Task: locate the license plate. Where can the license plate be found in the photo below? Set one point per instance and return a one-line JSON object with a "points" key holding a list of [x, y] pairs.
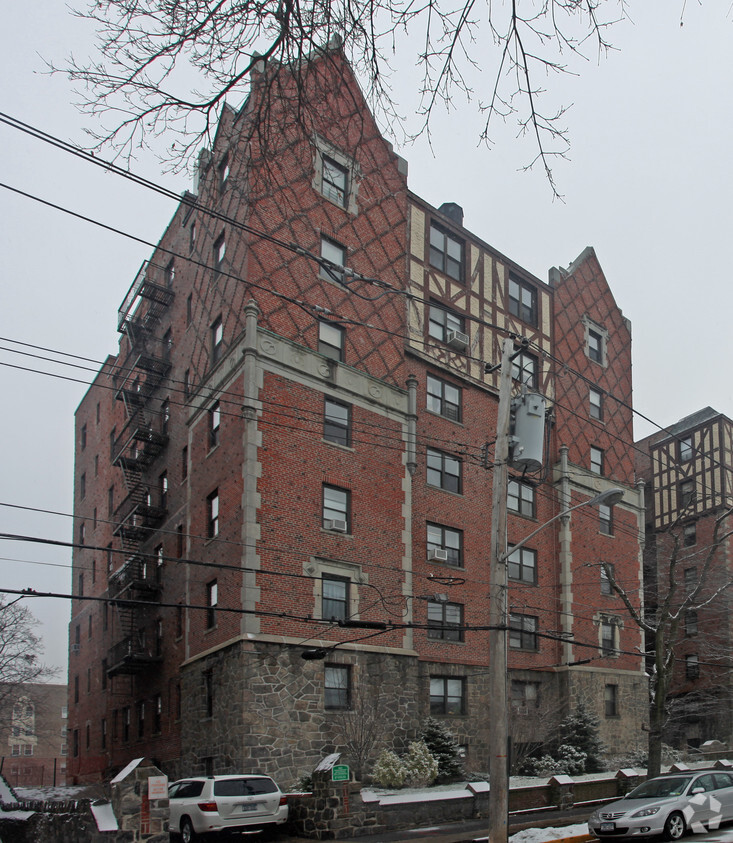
{"points": [[249, 806], [608, 826]]}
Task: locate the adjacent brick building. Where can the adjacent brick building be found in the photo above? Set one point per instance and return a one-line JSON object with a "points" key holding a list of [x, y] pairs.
{"points": [[283, 448], [688, 468]]}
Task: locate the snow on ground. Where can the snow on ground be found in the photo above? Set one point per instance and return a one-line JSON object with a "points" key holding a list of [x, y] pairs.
{"points": [[541, 835]]}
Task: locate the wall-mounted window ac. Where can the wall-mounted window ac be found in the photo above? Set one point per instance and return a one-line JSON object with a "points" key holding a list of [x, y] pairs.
{"points": [[438, 554], [337, 525], [457, 340]]}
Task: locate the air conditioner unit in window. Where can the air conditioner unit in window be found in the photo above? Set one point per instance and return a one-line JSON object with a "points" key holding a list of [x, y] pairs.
{"points": [[338, 525], [457, 340], [438, 554]]}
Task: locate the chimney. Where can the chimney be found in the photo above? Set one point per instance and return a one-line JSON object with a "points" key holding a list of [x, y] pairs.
{"points": [[452, 211]]}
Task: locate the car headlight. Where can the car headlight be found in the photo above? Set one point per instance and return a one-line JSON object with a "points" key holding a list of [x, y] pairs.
{"points": [[647, 812]]}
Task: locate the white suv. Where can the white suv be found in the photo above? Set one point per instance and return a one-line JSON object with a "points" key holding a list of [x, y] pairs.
{"points": [[200, 805]]}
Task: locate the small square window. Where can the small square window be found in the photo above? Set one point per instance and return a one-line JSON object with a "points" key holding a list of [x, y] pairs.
{"points": [[444, 471], [442, 322], [443, 398], [524, 369], [447, 695], [523, 632], [611, 700], [596, 404], [212, 600], [337, 687], [336, 254], [521, 498], [331, 340], [685, 448], [214, 424], [596, 460], [522, 300], [212, 514], [335, 598], [605, 519], [335, 181], [336, 509], [445, 621], [522, 565], [446, 253], [220, 250], [217, 340], [445, 544], [337, 423]]}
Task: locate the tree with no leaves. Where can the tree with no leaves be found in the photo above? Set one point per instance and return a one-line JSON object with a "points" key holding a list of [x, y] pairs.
{"points": [[662, 622], [20, 650], [165, 67]]}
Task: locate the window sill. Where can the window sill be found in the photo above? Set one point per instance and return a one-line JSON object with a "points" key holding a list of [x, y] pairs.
{"points": [[349, 448], [443, 416], [447, 491], [337, 533]]}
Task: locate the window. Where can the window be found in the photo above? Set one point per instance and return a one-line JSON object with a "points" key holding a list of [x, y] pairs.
{"points": [[217, 340], [335, 253], [521, 498], [337, 686], [689, 534], [690, 622], [212, 514], [523, 632], [687, 493], [690, 580], [445, 620], [223, 173], [524, 369], [163, 489], [522, 565], [337, 422], [126, 719], [522, 300], [83, 486], [75, 742], [82, 532], [179, 541], [443, 471], [187, 384], [445, 544], [685, 448], [192, 235], [334, 181], [595, 399], [596, 460], [208, 679], [336, 508], [595, 346], [103, 733], [165, 415], [81, 585], [692, 666], [83, 437], [447, 695], [609, 637], [141, 719], [157, 713], [331, 340], [443, 398], [111, 500], [212, 598], [96, 465], [214, 425], [606, 587], [611, 700], [184, 462], [335, 598], [446, 252], [441, 321], [170, 273], [189, 308], [524, 695], [103, 674], [220, 249], [605, 519]]}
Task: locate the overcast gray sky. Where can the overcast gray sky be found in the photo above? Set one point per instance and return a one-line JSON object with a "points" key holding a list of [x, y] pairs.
{"points": [[648, 184]]}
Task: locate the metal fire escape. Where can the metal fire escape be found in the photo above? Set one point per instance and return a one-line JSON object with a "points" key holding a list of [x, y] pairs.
{"points": [[140, 442]]}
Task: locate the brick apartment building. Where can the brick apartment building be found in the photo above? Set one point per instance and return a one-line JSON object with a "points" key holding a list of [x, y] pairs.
{"points": [[33, 724], [688, 469], [280, 446]]}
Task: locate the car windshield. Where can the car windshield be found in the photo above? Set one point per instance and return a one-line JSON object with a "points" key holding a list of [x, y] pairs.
{"points": [[656, 788], [243, 787]]}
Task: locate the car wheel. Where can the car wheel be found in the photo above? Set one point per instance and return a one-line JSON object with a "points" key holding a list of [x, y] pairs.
{"points": [[187, 833], [674, 827]]}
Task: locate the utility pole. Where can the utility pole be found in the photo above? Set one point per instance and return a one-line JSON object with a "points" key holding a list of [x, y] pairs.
{"points": [[498, 617]]}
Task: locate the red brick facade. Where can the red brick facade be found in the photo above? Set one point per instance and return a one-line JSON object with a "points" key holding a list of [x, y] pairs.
{"points": [[277, 441]]}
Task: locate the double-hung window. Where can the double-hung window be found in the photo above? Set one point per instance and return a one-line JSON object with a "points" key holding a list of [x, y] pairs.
{"points": [[217, 339], [335, 598], [524, 369], [336, 509], [337, 686], [609, 637], [214, 424], [212, 600], [212, 514], [447, 695], [335, 253], [220, 250], [522, 565], [522, 300], [331, 340], [692, 666], [685, 448], [443, 470], [443, 398], [523, 632], [611, 700], [596, 460], [446, 253], [445, 544], [445, 621], [441, 321], [606, 587], [337, 422], [687, 493], [595, 399], [605, 519], [335, 181], [521, 498]]}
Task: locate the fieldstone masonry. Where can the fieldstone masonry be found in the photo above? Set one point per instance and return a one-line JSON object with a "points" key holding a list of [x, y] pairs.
{"points": [[140, 818]]}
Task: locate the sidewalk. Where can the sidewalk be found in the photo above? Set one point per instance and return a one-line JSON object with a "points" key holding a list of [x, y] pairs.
{"points": [[466, 832]]}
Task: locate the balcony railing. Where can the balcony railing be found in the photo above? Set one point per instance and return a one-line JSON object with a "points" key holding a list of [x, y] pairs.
{"points": [[134, 653], [139, 577]]}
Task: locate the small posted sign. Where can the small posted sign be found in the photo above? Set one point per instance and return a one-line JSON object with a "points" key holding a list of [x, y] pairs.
{"points": [[340, 773], [157, 787]]}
